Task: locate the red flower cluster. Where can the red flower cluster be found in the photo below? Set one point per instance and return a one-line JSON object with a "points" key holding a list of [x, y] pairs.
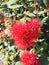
{"points": [[25, 34], [29, 59]]}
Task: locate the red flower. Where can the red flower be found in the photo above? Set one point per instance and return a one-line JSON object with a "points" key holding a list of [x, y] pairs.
{"points": [[29, 59], [26, 34]]}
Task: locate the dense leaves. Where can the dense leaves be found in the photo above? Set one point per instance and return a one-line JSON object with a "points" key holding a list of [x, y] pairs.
{"points": [[15, 11]]}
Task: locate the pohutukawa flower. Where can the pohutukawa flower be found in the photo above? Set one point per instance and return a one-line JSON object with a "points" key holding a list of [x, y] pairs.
{"points": [[30, 59], [25, 34]]}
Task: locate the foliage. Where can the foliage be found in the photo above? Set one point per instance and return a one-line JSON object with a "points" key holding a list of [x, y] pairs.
{"points": [[13, 11]]}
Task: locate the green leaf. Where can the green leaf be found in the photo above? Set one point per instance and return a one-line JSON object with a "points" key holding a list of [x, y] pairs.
{"points": [[44, 19], [14, 6], [30, 14], [1, 46], [45, 2], [19, 63], [11, 48], [44, 60], [1, 56], [6, 57], [11, 2], [27, 18], [41, 12]]}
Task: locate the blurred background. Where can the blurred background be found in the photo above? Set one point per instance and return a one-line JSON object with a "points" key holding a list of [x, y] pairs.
{"points": [[13, 11]]}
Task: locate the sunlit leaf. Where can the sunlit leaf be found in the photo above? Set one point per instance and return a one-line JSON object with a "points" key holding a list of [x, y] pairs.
{"points": [[19, 63], [14, 6]]}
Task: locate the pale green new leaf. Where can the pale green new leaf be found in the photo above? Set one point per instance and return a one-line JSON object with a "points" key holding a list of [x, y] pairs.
{"points": [[19, 63], [41, 12], [14, 6], [44, 19], [45, 2], [11, 2]]}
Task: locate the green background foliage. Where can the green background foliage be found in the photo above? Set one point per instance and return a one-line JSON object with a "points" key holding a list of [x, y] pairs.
{"points": [[25, 9]]}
